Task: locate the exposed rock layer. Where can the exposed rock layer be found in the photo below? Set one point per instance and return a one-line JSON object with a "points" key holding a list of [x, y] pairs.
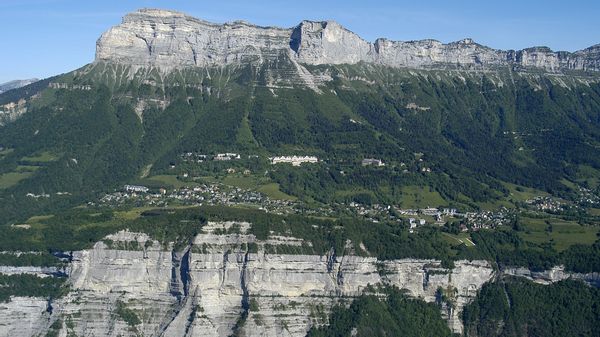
{"points": [[168, 39], [205, 290], [23, 317], [210, 286], [555, 274]]}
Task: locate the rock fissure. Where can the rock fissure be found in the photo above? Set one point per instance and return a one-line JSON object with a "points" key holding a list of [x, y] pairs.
{"points": [[175, 284], [179, 288], [224, 268], [184, 270], [331, 259], [245, 302]]}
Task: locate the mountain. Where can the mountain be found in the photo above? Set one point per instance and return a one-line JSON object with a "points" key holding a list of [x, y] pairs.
{"points": [[16, 84], [170, 39], [207, 179], [465, 121], [164, 84]]}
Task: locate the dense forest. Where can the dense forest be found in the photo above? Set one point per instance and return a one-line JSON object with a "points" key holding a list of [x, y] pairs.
{"points": [[31, 285], [516, 307], [392, 313]]}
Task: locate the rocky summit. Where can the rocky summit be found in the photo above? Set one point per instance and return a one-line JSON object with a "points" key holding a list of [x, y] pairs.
{"points": [[169, 39]]}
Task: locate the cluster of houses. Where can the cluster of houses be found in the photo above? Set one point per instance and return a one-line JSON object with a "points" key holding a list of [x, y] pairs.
{"points": [[218, 194], [211, 194], [546, 204], [294, 160], [192, 157], [45, 195], [245, 172], [413, 223], [431, 211], [37, 196], [487, 219], [226, 156], [588, 197], [415, 217]]}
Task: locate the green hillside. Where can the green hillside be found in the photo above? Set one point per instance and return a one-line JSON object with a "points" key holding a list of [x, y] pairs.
{"points": [[459, 139], [461, 135]]}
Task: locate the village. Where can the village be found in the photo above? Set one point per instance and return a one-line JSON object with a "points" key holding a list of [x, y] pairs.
{"points": [[192, 157], [203, 194], [220, 193]]}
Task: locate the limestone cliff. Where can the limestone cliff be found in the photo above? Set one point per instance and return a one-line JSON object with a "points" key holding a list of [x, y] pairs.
{"points": [[221, 283], [555, 274], [225, 281], [168, 39], [24, 317]]}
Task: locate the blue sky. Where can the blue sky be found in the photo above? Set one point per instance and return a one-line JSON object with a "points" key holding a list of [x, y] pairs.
{"points": [[41, 38]]}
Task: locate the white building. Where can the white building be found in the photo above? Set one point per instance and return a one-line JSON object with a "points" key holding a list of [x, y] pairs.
{"points": [[449, 211], [227, 156], [372, 161], [430, 211], [136, 188], [294, 160]]}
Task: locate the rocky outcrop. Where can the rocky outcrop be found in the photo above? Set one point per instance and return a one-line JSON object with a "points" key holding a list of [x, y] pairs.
{"points": [[23, 317], [555, 274], [168, 39], [37, 271], [11, 111], [225, 282], [171, 39], [328, 43]]}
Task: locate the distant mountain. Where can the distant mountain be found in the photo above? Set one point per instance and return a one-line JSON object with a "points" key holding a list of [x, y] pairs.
{"points": [[16, 84]]}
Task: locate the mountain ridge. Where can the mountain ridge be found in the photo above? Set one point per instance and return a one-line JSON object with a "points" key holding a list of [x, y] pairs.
{"points": [[15, 84], [170, 39]]}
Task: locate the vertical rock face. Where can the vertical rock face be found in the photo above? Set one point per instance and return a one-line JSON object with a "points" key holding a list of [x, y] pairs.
{"points": [[328, 43], [170, 39], [130, 269], [431, 53], [167, 39], [224, 283]]}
